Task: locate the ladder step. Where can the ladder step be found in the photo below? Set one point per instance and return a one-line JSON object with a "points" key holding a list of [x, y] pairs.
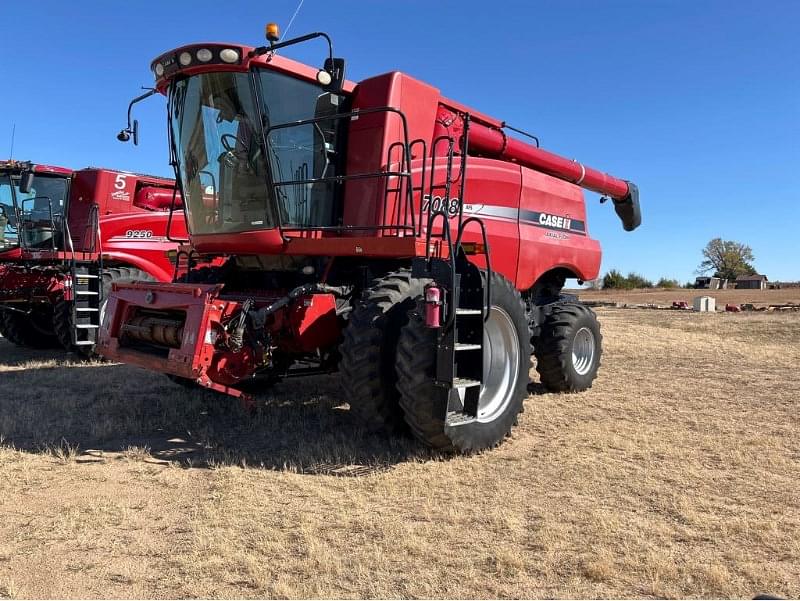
{"points": [[86, 293], [465, 383], [468, 312], [84, 343], [86, 275], [460, 346], [86, 326], [86, 310]]}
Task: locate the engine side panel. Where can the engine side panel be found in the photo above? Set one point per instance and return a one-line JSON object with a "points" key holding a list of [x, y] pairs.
{"points": [[140, 240], [553, 230]]}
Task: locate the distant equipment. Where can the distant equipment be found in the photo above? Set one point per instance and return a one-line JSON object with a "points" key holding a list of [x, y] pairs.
{"points": [[705, 304]]}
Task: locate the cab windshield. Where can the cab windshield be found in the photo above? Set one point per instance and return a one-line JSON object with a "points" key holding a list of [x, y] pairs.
{"points": [[231, 180], [35, 215]]}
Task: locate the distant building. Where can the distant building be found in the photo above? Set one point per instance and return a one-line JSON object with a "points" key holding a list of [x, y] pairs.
{"points": [[710, 283], [751, 282]]}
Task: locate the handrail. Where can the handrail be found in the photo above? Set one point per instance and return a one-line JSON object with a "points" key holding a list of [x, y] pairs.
{"points": [[172, 210], [458, 247], [404, 170]]}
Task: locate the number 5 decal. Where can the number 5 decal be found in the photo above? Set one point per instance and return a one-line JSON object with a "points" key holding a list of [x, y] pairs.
{"points": [[120, 182]]}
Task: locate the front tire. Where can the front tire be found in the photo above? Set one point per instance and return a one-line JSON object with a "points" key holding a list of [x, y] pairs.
{"points": [[30, 331], [369, 349], [504, 380], [569, 347]]}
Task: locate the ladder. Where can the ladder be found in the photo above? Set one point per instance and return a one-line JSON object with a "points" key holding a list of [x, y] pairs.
{"points": [[466, 301], [460, 340], [87, 291]]}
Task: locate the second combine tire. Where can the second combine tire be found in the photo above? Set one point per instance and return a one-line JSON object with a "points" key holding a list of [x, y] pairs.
{"points": [[568, 348], [31, 331], [62, 317], [504, 381], [369, 349]]}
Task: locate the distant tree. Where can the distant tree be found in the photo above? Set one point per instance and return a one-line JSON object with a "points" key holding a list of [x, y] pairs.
{"points": [[727, 259], [636, 280], [614, 279], [689, 285], [667, 283]]}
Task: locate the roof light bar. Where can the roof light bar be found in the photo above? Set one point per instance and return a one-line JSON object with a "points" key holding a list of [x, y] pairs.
{"points": [[167, 64]]}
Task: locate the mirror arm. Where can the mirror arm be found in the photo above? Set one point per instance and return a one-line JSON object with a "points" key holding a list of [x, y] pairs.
{"points": [[303, 38], [126, 133]]}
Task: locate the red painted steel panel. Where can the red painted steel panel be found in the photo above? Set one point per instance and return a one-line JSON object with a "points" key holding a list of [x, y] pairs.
{"points": [[546, 247]]}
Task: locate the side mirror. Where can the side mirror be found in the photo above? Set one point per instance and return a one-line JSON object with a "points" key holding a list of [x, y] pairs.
{"points": [[26, 182], [125, 134], [335, 67]]}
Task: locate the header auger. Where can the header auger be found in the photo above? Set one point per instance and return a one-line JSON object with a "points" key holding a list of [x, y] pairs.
{"points": [[377, 229]]}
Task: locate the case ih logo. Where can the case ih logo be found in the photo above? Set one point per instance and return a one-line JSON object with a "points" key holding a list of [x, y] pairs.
{"points": [[556, 221], [121, 195]]}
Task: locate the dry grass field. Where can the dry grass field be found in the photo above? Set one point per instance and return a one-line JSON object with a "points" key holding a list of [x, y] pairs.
{"points": [[677, 475]]}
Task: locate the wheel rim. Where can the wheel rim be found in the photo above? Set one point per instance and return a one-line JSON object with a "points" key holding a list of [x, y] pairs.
{"points": [[501, 359], [583, 351]]}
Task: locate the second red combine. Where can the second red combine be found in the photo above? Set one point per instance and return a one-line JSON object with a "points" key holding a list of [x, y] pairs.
{"points": [[376, 228], [64, 237]]}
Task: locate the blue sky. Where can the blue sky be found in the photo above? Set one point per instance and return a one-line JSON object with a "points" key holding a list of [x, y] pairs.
{"points": [[698, 102]]}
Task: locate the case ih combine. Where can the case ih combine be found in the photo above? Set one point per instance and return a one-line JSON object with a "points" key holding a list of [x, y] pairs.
{"points": [[378, 228], [64, 237]]}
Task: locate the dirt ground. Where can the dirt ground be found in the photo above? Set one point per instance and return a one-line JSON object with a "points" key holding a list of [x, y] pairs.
{"points": [[666, 296], [675, 476]]}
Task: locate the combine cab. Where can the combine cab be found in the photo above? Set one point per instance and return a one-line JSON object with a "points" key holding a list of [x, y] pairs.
{"points": [[378, 229], [64, 237]]}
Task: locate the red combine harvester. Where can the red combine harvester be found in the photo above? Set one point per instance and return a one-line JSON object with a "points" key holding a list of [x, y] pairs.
{"points": [[376, 228], [64, 237]]}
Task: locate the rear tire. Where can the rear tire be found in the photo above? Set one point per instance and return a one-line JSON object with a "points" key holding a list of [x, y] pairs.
{"points": [[62, 313], [369, 349], [569, 347], [425, 403], [29, 331]]}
